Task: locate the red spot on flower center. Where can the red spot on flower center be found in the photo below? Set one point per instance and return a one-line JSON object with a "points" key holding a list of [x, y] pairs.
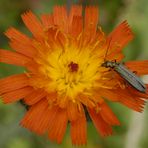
{"points": [[73, 67]]}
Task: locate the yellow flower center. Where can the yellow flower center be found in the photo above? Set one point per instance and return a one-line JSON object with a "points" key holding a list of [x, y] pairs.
{"points": [[70, 71]]}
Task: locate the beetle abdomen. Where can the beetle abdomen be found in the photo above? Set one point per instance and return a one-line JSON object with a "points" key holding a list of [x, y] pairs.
{"points": [[130, 77]]}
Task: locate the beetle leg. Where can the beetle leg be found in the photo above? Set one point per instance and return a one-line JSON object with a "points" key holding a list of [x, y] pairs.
{"points": [[114, 60], [135, 72]]}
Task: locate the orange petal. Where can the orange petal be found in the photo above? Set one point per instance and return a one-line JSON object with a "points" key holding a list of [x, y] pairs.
{"points": [[47, 20], [32, 67], [16, 94], [62, 103], [37, 118], [107, 115], [33, 24], [91, 20], [75, 11], [72, 111], [55, 37], [60, 17], [14, 58], [141, 67], [51, 97], [34, 97], [133, 104], [106, 93], [78, 130], [119, 38], [13, 82], [58, 126], [76, 27], [20, 42], [86, 100], [139, 94], [75, 20], [128, 99], [102, 127]]}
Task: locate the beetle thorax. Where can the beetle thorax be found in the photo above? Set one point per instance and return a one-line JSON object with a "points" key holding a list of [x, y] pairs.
{"points": [[108, 64], [111, 64]]}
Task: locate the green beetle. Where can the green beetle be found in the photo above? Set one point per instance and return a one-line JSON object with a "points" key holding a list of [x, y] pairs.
{"points": [[127, 74]]}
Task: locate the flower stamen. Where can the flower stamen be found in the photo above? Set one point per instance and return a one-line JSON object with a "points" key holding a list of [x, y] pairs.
{"points": [[73, 67]]}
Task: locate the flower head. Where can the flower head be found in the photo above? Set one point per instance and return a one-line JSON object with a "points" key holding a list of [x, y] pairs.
{"points": [[64, 73]]}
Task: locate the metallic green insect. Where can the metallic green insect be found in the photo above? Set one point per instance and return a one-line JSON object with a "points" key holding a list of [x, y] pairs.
{"points": [[125, 73]]}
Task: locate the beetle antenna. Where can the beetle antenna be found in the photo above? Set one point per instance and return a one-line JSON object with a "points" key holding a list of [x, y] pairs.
{"points": [[107, 49]]}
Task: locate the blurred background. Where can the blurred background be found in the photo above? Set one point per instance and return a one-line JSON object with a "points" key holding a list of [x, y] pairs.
{"points": [[133, 133]]}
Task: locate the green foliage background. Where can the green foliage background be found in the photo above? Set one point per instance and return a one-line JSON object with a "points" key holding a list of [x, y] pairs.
{"points": [[111, 13]]}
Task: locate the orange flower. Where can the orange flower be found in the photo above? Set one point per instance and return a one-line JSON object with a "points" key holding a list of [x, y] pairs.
{"points": [[64, 74]]}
